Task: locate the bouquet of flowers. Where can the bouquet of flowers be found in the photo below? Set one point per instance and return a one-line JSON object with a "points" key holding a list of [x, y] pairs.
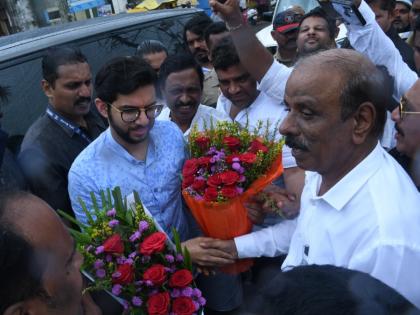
{"points": [[228, 165], [127, 254]]}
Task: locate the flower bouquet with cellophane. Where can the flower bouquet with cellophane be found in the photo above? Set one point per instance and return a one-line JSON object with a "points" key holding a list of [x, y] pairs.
{"points": [[127, 254], [228, 165]]}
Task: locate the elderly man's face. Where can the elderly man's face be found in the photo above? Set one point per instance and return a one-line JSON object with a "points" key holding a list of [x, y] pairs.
{"points": [[408, 126], [319, 138], [61, 280]]}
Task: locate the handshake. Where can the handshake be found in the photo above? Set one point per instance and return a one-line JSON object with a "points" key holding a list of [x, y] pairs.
{"points": [[208, 253]]}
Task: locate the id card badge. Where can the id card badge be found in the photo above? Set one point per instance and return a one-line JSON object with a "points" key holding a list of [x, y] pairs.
{"points": [[344, 10]]}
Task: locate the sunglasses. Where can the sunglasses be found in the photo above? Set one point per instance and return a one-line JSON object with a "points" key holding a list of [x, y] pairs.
{"points": [[403, 112]]}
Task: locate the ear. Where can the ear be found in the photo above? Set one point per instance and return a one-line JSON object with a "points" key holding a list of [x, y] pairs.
{"points": [[20, 308], [47, 88], [364, 120], [102, 107]]}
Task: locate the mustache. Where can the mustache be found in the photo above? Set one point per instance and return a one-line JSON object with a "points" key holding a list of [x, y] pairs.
{"points": [[179, 104], [399, 130], [83, 100], [293, 143]]}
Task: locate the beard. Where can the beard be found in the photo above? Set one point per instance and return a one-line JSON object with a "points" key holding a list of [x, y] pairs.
{"points": [[125, 134]]}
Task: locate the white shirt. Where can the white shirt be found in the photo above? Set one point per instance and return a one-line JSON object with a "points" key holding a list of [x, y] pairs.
{"points": [[203, 117], [369, 221], [371, 41], [264, 109]]}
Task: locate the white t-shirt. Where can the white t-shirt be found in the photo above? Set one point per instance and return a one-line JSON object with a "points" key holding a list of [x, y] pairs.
{"points": [[369, 221], [203, 117], [262, 109]]}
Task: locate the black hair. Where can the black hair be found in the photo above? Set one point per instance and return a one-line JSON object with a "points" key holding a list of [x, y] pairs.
{"points": [[386, 5], [4, 93], [417, 23], [123, 75], [197, 25], [213, 29], [179, 63], [58, 56], [150, 47], [326, 289], [224, 54], [319, 12], [20, 271]]}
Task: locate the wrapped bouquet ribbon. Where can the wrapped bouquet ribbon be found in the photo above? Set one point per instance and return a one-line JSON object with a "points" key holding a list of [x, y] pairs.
{"points": [[228, 166]]}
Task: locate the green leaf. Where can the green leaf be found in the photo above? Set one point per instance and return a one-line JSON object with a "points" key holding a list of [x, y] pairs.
{"points": [[177, 240], [187, 259], [71, 219], [86, 211]]}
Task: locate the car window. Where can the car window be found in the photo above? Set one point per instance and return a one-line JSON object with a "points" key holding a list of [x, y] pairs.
{"points": [[306, 5]]}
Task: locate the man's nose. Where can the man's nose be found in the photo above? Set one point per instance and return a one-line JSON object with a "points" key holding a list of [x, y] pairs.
{"points": [[395, 115], [85, 90], [142, 119], [288, 125], [234, 88]]}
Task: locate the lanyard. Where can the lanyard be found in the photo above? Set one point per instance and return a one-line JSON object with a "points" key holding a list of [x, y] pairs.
{"points": [[67, 124]]}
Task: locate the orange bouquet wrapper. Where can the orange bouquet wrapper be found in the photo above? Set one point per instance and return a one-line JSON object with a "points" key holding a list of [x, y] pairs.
{"points": [[230, 219]]}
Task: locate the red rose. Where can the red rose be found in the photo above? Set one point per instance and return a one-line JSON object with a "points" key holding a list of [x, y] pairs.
{"points": [[158, 304], [183, 306], [229, 192], [180, 278], [257, 145], [114, 245], [190, 167], [248, 157], [156, 274], [126, 274], [199, 185], [229, 158], [214, 180], [204, 161], [187, 181], [210, 194], [232, 143], [154, 243], [202, 142], [229, 177]]}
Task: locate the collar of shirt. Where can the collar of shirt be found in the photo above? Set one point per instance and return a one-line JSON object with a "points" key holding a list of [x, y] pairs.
{"points": [[343, 191], [119, 149]]}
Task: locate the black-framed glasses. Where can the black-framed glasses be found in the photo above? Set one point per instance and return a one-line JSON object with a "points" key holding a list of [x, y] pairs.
{"points": [[403, 104], [130, 115]]}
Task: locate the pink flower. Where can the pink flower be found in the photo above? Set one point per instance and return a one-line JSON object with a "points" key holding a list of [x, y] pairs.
{"points": [[113, 223], [116, 289], [111, 213]]}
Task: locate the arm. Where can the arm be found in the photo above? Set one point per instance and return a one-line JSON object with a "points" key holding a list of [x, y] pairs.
{"points": [[371, 41], [254, 57]]}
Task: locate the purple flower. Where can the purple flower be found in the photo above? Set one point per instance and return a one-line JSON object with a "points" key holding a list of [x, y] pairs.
{"points": [[136, 301], [202, 301], [197, 292], [126, 305], [175, 293], [89, 248], [197, 305], [100, 273], [116, 289], [129, 261], [132, 255], [120, 260], [143, 225], [169, 258], [235, 159], [140, 282], [116, 274], [145, 259], [108, 258], [241, 170], [99, 249], [188, 291], [179, 257], [149, 283], [111, 213], [242, 178], [98, 264], [135, 236], [113, 223], [236, 166], [240, 190]]}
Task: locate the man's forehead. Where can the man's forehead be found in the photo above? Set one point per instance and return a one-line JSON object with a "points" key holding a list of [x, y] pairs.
{"points": [[192, 36], [80, 69], [413, 95], [314, 20], [188, 75]]}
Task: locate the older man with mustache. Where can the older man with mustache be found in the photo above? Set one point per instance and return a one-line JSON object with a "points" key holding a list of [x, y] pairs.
{"points": [[359, 209], [54, 140]]}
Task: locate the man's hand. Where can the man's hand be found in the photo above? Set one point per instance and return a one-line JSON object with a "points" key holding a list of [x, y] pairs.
{"points": [[286, 202], [228, 11], [224, 246], [256, 213], [204, 254]]}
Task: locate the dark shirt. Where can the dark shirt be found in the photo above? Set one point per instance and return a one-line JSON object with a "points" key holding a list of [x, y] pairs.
{"points": [[407, 53], [404, 161], [11, 177], [47, 152]]}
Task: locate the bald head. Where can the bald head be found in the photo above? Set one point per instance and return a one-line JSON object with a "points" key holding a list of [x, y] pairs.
{"points": [[357, 79]]}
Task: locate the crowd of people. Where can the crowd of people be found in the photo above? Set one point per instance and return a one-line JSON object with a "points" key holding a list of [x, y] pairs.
{"points": [[350, 117]]}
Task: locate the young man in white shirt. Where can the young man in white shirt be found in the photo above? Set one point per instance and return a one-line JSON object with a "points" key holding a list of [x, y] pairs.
{"points": [[359, 209], [181, 83]]}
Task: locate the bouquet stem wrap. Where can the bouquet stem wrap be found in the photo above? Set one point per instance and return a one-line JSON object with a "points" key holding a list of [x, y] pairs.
{"points": [[230, 219]]}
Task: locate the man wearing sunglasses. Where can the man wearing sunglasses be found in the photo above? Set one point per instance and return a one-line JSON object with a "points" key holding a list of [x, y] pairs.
{"points": [[407, 125], [136, 152]]}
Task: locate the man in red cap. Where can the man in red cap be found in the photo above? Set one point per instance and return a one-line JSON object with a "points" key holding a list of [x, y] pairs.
{"points": [[285, 31]]}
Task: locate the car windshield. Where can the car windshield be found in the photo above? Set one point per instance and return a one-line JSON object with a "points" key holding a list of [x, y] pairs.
{"points": [[306, 5]]}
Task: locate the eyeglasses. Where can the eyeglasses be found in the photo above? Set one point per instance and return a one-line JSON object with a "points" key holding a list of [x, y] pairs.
{"points": [[403, 104], [130, 115]]}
